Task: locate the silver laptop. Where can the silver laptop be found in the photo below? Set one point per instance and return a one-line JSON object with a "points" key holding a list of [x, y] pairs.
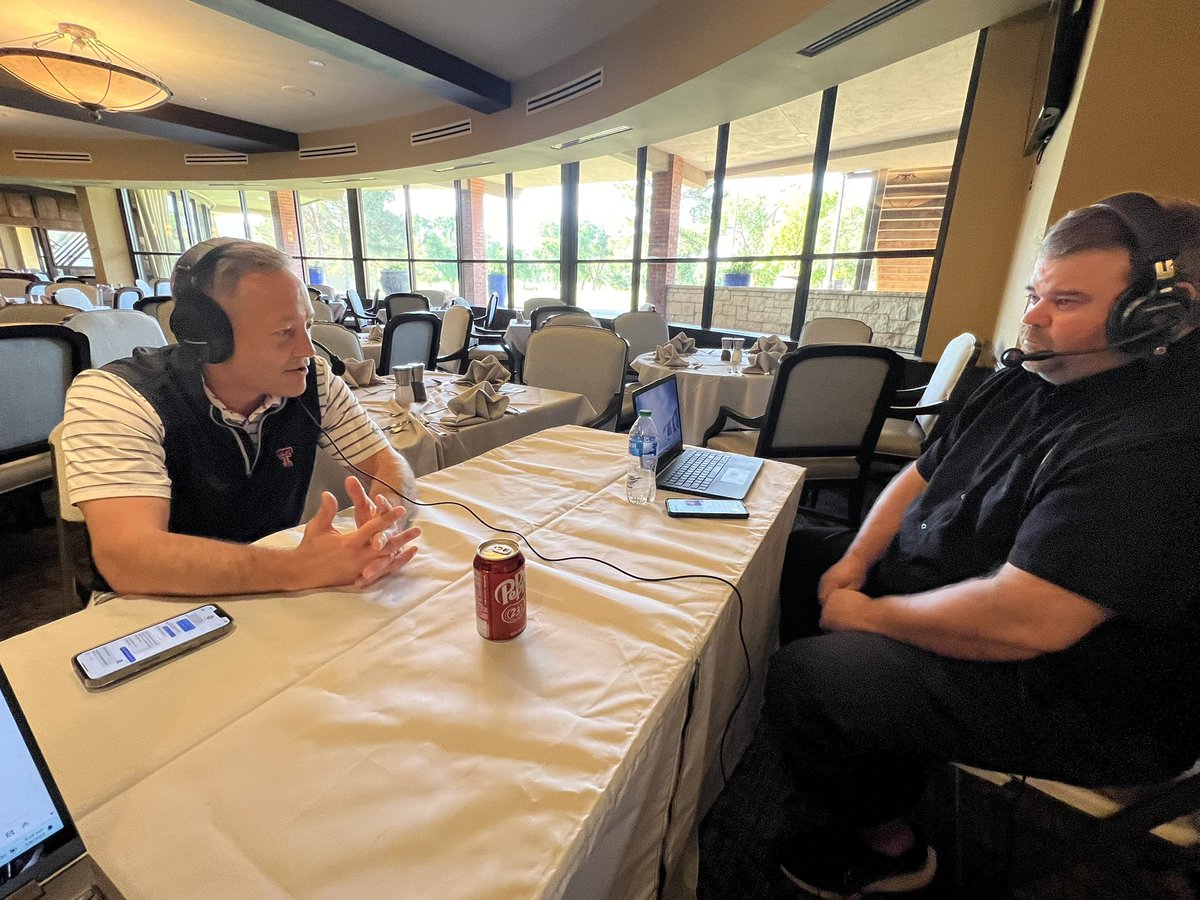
{"points": [[708, 473], [41, 853]]}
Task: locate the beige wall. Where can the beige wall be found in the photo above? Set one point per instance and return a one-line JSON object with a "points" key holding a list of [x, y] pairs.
{"points": [[106, 235], [1132, 126], [992, 187]]}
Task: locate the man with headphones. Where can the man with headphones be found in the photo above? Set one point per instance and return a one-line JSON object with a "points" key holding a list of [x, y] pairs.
{"points": [[180, 457], [1024, 597]]}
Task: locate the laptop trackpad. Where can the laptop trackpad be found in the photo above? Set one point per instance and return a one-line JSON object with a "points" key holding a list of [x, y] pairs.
{"points": [[734, 475]]}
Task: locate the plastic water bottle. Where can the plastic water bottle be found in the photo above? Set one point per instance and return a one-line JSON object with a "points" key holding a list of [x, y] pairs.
{"points": [[643, 460]]}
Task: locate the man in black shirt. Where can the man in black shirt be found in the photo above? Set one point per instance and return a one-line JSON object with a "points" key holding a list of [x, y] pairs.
{"points": [[1025, 596]]}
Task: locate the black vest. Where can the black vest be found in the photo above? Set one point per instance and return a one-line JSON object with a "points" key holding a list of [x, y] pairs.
{"points": [[221, 486]]}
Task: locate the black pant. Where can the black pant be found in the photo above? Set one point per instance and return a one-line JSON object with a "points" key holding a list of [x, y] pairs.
{"points": [[863, 719]]}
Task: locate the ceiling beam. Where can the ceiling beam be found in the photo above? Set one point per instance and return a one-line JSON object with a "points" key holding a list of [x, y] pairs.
{"points": [[346, 33], [169, 121]]}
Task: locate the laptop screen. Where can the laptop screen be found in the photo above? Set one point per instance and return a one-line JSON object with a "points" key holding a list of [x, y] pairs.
{"points": [[37, 837], [662, 399]]}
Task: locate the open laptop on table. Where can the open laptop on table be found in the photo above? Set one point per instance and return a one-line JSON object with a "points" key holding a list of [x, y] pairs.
{"points": [[41, 853], [708, 473]]}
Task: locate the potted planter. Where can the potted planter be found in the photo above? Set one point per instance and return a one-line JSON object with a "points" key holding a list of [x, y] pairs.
{"points": [[736, 279], [394, 281]]}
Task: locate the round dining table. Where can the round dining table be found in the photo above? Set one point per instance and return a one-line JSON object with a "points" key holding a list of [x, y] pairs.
{"points": [[705, 385]]}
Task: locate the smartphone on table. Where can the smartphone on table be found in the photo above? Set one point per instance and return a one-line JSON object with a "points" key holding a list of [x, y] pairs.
{"points": [[698, 508], [121, 659]]}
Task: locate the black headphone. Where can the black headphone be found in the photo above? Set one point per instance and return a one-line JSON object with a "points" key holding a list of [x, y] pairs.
{"points": [[1149, 314], [198, 320]]}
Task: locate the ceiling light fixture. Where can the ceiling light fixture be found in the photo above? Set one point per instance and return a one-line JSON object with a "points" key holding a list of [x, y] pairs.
{"points": [[466, 165], [591, 137], [91, 74]]}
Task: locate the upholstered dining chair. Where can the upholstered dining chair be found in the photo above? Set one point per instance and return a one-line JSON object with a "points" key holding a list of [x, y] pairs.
{"points": [[835, 330], [162, 287], [114, 333], [46, 357], [126, 297], [410, 338], [1156, 824], [402, 302], [825, 411], [320, 309], [582, 360], [160, 308], [533, 303], [90, 291], [50, 313], [454, 344], [543, 314], [644, 331], [69, 296], [435, 296], [15, 285], [338, 339], [907, 428], [144, 286]]}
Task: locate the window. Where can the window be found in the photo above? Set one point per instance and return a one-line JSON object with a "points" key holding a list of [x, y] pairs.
{"points": [[607, 209], [385, 240], [434, 212], [325, 238], [537, 224]]}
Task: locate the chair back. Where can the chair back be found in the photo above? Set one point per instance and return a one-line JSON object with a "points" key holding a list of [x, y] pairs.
{"points": [[35, 312], [543, 314], [644, 331], [68, 279], [435, 296], [144, 286], [829, 400], [583, 360], [14, 285], [960, 354], [455, 340], [45, 358], [90, 291], [489, 315], [162, 287], [160, 308], [114, 333], [337, 339], [536, 302], [69, 296], [36, 291], [402, 302], [126, 297], [321, 310], [323, 289], [834, 330], [410, 338], [356, 305]]}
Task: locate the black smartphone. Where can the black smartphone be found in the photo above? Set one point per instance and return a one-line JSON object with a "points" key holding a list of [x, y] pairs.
{"points": [[118, 660], [696, 508]]}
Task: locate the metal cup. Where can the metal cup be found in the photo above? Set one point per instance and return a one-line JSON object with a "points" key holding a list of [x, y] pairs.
{"points": [[418, 383]]}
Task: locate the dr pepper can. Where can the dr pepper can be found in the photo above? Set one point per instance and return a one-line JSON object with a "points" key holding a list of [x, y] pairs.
{"points": [[499, 589]]}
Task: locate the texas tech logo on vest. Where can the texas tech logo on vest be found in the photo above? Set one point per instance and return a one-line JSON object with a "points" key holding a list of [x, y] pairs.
{"points": [[285, 456]]}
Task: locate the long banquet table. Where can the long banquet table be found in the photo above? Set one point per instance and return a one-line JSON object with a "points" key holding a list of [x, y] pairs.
{"points": [[370, 744]]}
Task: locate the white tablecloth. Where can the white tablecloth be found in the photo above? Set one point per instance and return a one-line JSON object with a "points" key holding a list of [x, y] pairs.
{"points": [[371, 744], [516, 335], [707, 385]]}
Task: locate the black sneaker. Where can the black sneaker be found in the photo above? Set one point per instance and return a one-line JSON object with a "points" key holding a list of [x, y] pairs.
{"points": [[852, 870]]}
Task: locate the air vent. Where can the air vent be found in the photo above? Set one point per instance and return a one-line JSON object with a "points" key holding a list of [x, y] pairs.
{"points": [[61, 156], [236, 183], [565, 93], [327, 152], [215, 159], [441, 133], [858, 26]]}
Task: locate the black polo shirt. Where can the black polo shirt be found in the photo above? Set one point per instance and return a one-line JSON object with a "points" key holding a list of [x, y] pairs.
{"points": [[1093, 486]]}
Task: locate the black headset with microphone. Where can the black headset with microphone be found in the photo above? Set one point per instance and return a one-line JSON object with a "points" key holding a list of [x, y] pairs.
{"points": [[1148, 315], [198, 320]]}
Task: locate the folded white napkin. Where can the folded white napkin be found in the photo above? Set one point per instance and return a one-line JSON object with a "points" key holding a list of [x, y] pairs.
{"points": [[683, 344], [375, 333], [771, 343], [668, 355], [762, 363], [361, 372], [479, 403], [488, 369]]}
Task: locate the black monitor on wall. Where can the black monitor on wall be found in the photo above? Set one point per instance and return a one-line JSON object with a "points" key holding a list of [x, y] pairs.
{"points": [[1059, 67]]}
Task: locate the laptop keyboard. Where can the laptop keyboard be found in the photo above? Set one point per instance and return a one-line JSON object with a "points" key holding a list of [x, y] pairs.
{"points": [[696, 470]]}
